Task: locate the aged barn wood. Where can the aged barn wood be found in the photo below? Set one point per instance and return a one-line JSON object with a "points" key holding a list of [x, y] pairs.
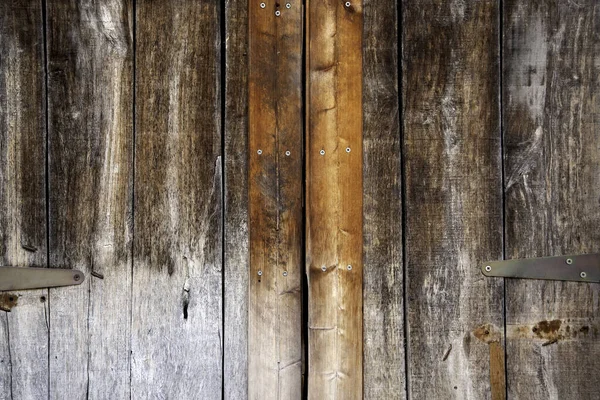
{"points": [[334, 199], [90, 138], [236, 250], [383, 290], [453, 176], [275, 200], [177, 280], [23, 315], [551, 122]]}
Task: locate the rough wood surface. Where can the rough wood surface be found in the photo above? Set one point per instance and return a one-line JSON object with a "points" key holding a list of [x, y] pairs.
{"points": [[384, 375], [90, 138], [177, 280], [23, 330], [452, 148], [551, 125], [334, 247], [236, 261], [275, 200]]}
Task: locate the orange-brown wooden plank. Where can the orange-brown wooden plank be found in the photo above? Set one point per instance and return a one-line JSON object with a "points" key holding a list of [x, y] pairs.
{"points": [[275, 192], [334, 199]]}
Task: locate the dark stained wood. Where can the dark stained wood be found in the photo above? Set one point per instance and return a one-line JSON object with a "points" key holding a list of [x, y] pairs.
{"points": [[275, 200], [90, 136], [452, 163], [236, 262], [334, 248], [177, 277], [551, 124], [23, 330], [384, 374]]}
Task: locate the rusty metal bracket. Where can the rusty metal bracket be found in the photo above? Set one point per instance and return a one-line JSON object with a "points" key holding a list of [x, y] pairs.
{"points": [[17, 278], [578, 268]]}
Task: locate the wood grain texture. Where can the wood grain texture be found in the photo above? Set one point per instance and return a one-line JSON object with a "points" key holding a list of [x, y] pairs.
{"points": [[90, 136], [275, 200], [236, 262], [551, 124], [452, 164], [334, 200], [384, 363], [177, 280], [23, 330]]}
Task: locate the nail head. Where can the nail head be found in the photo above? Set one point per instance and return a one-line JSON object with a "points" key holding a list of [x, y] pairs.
{"points": [[569, 261], [278, 13], [262, 5], [259, 273], [349, 267], [583, 274], [323, 268], [488, 268], [285, 273], [259, 152], [287, 153], [348, 4], [288, 5], [347, 149], [322, 152]]}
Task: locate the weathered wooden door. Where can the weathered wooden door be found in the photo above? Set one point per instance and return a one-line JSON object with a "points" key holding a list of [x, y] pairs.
{"points": [[294, 199]]}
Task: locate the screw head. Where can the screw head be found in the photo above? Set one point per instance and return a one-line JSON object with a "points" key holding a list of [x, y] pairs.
{"points": [[262, 5], [323, 268], [569, 261], [277, 13], [287, 153], [285, 273], [259, 152], [322, 152], [76, 277], [583, 274], [259, 273], [288, 5], [488, 268], [349, 267]]}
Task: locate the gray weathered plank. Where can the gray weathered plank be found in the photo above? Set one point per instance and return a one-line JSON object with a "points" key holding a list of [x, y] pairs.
{"points": [[551, 119], [453, 189], [23, 330], [236, 261], [90, 138], [177, 281], [383, 308]]}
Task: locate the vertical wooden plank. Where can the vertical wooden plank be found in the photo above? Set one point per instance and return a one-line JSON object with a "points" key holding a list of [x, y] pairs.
{"points": [[236, 247], [551, 120], [90, 100], [177, 280], [23, 322], [275, 194], [384, 361], [334, 199], [453, 175]]}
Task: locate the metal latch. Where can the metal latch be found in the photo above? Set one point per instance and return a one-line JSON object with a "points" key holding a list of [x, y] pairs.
{"points": [[17, 278], [580, 268]]}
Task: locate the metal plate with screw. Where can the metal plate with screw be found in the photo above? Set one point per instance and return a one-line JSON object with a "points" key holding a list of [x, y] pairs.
{"points": [[16, 278], [580, 268]]}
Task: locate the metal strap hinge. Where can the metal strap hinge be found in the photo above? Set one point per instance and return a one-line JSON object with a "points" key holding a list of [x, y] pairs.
{"points": [[17, 278], [579, 268]]}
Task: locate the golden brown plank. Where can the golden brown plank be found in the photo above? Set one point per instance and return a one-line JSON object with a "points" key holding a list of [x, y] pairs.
{"points": [[334, 199], [275, 192]]}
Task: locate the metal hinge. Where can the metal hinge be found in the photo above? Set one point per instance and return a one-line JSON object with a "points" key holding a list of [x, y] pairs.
{"points": [[580, 268], [17, 278]]}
